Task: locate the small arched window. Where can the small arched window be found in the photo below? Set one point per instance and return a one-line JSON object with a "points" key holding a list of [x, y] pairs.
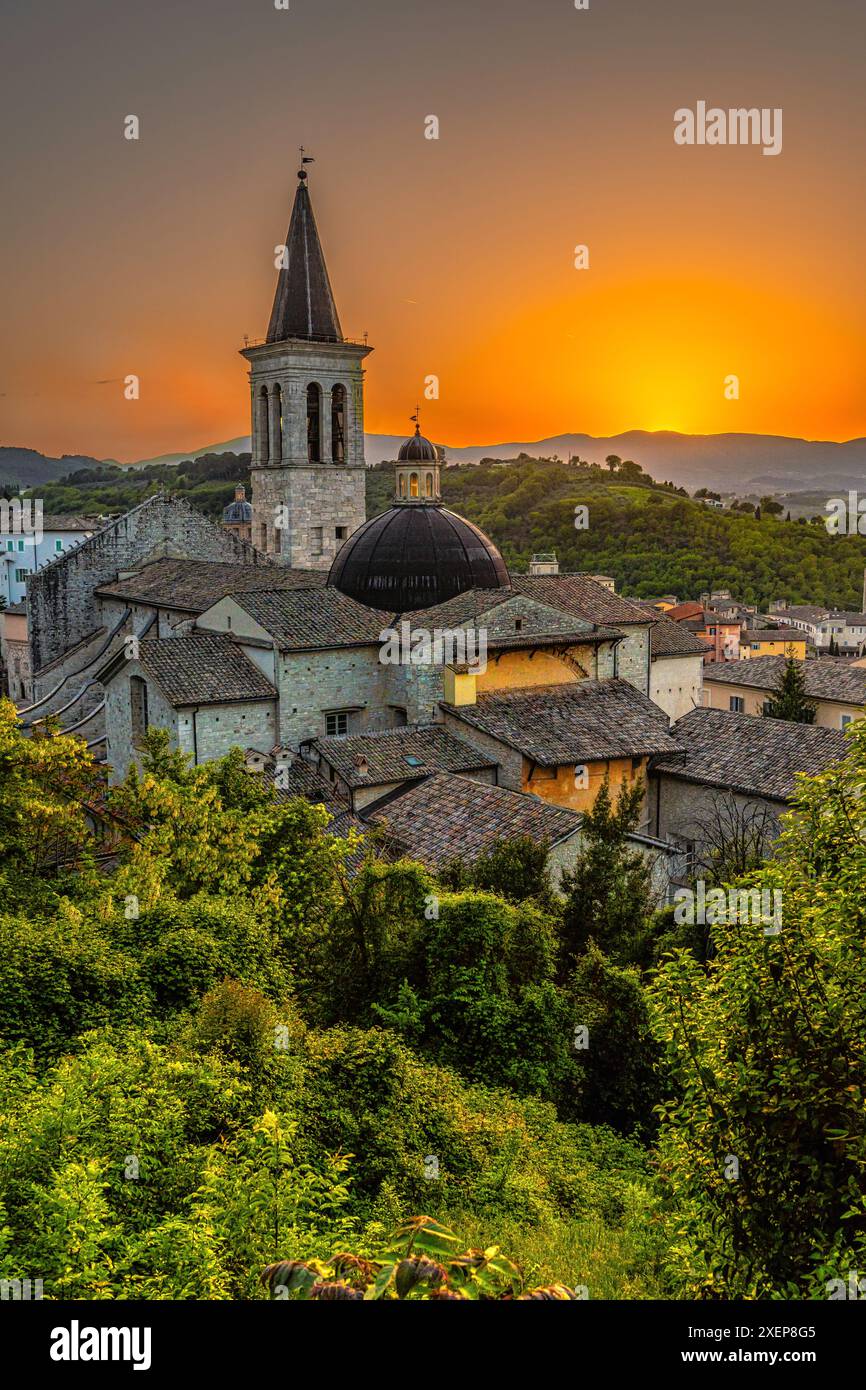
{"points": [[314, 422], [262, 424], [276, 425], [338, 424], [413, 485], [402, 485], [138, 708], [428, 485]]}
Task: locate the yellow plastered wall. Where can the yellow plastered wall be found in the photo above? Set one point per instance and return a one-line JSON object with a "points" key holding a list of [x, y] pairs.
{"points": [[516, 670], [794, 648], [563, 788]]}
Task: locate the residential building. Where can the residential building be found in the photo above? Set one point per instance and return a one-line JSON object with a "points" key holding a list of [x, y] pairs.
{"points": [[720, 635], [837, 687], [15, 654], [846, 631], [562, 742], [676, 665], [733, 775], [23, 552], [781, 641]]}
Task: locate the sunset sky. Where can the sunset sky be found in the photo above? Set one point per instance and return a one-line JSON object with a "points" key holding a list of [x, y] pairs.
{"points": [[456, 256]]}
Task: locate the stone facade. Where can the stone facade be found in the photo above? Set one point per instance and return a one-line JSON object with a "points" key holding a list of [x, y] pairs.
{"points": [[205, 732], [680, 810], [60, 597], [632, 660], [308, 483]]}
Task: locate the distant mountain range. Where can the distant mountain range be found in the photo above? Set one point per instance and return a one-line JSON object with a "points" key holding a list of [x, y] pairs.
{"points": [[744, 463], [29, 467]]}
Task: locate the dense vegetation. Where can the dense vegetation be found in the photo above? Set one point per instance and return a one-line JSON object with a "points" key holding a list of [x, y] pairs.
{"points": [[653, 540], [207, 482], [649, 536], [225, 1053]]}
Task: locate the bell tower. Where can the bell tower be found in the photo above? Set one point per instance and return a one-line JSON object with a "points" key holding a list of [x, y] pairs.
{"points": [[307, 399]]}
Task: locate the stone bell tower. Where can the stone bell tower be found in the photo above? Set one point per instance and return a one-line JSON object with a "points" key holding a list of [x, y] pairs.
{"points": [[307, 390]]}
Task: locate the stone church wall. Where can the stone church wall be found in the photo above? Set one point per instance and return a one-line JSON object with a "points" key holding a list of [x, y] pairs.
{"points": [[60, 597]]}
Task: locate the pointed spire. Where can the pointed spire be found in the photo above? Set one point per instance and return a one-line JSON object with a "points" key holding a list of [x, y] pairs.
{"points": [[304, 303]]}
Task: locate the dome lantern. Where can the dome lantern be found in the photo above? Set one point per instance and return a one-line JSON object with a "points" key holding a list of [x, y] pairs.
{"points": [[416, 478]]}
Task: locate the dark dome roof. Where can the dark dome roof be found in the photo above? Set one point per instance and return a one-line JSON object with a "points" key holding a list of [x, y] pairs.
{"points": [[418, 450], [238, 511], [415, 556]]}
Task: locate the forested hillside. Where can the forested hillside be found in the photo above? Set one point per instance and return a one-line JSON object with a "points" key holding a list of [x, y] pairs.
{"points": [[223, 1051], [649, 536], [651, 539]]}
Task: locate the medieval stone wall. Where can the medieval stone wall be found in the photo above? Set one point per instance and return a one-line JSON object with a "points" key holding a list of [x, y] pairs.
{"points": [[61, 605]]}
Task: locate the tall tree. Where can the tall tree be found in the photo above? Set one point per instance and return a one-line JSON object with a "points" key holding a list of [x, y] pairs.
{"points": [[789, 700], [608, 892]]}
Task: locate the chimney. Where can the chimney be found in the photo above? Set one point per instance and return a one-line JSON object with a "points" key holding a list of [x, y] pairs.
{"points": [[362, 767]]}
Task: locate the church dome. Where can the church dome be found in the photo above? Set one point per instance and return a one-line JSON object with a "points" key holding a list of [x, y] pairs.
{"points": [[418, 450], [240, 510], [414, 557]]}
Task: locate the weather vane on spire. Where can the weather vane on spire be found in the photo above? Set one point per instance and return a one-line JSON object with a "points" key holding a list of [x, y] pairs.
{"points": [[305, 159], [417, 419]]}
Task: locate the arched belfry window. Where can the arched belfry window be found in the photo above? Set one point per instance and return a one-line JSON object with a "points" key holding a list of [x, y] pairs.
{"points": [[262, 423], [314, 422], [413, 485], [402, 485], [428, 485], [276, 425], [338, 424]]}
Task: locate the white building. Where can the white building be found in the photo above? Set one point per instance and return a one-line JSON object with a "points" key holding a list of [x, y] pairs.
{"points": [[23, 552]]}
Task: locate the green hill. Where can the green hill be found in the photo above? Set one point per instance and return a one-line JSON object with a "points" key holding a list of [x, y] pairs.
{"points": [[649, 537]]}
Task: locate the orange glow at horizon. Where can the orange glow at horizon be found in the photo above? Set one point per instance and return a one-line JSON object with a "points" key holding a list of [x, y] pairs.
{"points": [[455, 255]]}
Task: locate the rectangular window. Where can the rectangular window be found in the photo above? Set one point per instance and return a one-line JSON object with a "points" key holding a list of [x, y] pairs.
{"points": [[58, 545], [846, 720], [20, 545], [340, 532], [737, 704], [337, 723], [10, 545], [316, 541], [21, 576]]}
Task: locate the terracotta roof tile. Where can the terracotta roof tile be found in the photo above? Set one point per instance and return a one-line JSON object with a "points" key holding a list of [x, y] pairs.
{"points": [[194, 585], [398, 755], [824, 680], [449, 816], [583, 721], [203, 670], [754, 756]]}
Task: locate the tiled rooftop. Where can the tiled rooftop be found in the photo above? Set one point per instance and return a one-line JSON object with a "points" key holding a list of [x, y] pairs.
{"points": [[582, 721], [449, 816], [397, 755], [754, 756]]}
